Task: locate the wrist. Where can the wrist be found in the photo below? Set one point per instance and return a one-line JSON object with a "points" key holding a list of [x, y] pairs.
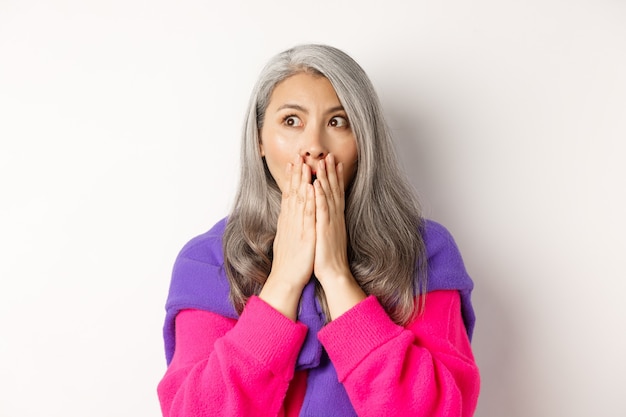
{"points": [[342, 293], [282, 295]]}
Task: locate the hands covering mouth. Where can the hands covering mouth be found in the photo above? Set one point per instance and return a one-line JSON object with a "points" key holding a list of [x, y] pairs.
{"points": [[311, 239]]}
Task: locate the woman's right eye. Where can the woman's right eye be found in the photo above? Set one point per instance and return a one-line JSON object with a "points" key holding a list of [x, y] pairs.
{"points": [[292, 121]]}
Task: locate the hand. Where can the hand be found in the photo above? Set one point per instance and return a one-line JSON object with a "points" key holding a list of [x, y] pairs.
{"points": [[294, 243], [331, 265], [331, 245]]}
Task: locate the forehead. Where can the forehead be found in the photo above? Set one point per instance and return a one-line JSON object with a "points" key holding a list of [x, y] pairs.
{"points": [[304, 87]]}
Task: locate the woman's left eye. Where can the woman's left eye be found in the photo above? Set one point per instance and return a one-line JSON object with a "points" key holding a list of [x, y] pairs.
{"points": [[338, 121]]}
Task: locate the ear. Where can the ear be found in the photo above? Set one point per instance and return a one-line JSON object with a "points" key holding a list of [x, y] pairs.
{"points": [[261, 150]]}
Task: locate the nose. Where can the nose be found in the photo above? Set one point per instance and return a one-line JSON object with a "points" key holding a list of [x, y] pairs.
{"points": [[313, 148]]}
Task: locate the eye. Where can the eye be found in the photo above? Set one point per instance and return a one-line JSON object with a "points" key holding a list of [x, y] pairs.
{"points": [[292, 121], [338, 121]]}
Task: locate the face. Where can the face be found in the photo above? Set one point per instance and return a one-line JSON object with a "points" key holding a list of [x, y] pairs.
{"points": [[304, 117]]}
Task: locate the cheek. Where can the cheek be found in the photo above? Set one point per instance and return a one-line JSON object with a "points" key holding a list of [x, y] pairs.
{"points": [[275, 146], [277, 155], [350, 163]]}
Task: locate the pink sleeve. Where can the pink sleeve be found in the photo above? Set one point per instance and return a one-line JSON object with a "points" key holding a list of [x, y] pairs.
{"points": [[425, 369], [220, 365]]}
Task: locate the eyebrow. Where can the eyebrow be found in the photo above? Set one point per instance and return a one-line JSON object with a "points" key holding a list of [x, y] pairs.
{"points": [[306, 111]]}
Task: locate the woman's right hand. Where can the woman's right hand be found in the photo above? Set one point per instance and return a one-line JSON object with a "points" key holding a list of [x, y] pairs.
{"points": [[294, 244]]}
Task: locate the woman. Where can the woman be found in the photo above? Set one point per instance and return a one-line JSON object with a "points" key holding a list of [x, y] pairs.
{"points": [[324, 293]]}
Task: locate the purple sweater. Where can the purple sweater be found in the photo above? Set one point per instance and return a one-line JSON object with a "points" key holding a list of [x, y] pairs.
{"points": [[199, 282]]}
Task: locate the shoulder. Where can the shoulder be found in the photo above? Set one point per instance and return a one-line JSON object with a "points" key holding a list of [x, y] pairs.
{"points": [[198, 278], [436, 235], [207, 247], [446, 269]]}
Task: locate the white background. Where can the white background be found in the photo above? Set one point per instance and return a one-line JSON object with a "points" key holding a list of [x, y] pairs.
{"points": [[119, 141]]}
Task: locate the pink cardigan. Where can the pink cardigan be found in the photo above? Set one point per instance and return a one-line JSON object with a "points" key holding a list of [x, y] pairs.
{"points": [[245, 367]]}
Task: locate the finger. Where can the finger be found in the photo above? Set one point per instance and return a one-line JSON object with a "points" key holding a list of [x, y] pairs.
{"points": [[321, 204], [329, 180], [322, 177], [306, 175], [296, 194], [286, 187], [341, 185], [303, 189], [288, 174], [309, 209], [332, 178], [296, 174]]}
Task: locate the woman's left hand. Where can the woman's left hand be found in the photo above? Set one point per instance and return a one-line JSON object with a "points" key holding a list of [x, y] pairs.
{"points": [[331, 266]]}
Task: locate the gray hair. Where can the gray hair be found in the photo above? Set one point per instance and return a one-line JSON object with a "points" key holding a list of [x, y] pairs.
{"points": [[383, 220]]}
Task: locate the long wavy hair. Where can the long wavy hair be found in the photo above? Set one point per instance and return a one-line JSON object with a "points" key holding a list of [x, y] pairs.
{"points": [[386, 250]]}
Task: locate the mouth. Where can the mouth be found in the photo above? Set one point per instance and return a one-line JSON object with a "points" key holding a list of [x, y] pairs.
{"points": [[313, 177]]}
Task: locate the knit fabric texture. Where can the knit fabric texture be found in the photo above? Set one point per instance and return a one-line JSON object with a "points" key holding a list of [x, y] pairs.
{"points": [[199, 282]]}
